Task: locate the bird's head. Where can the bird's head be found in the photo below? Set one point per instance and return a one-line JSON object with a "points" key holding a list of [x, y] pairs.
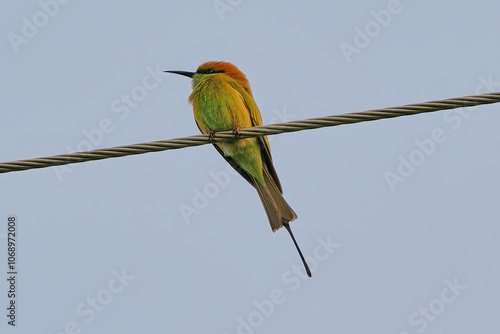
{"points": [[212, 68]]}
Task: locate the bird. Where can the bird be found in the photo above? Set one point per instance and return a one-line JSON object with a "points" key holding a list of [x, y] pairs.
{"points": [[222, 100]]}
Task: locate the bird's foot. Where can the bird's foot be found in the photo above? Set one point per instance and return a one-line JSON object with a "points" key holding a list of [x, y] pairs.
{"points": [[211, 135], [236, 131]]}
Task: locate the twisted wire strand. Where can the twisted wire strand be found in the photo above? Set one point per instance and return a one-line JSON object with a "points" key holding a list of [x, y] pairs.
{"points": [[257, 131]]}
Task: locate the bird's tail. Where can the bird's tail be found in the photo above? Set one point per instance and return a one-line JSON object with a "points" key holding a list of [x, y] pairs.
{"points": [[277, 209]]}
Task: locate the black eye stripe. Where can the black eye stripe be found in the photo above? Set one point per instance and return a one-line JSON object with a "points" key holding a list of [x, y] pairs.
{"points": [[210, 71]]}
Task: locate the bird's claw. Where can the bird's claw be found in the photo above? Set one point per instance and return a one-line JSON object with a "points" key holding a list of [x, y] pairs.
{"points": [[236, 131], [211, 135]]}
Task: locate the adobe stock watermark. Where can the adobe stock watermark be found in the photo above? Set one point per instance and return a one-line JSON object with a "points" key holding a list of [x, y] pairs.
{"points": [[30, 26], [292, 279], [89, 309], [120, 107], [426, 147], [371, 30], [223, 6], [425, 315], [219, 180]]}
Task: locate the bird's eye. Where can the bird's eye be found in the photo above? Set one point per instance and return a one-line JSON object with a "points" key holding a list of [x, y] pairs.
{"points": [[210, 70]]}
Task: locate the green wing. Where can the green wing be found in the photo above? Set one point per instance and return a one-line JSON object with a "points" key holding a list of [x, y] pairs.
{"points": [[263, 143]]}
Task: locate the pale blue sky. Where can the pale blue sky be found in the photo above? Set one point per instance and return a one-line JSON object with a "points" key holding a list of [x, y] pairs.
{"points": [[104, 246]]}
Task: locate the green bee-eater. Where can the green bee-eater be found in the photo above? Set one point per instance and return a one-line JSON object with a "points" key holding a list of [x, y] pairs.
{"points": [[222, 100]]}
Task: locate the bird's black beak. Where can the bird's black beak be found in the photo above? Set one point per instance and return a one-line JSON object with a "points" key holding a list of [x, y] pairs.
{"points": [[187, 74]]}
